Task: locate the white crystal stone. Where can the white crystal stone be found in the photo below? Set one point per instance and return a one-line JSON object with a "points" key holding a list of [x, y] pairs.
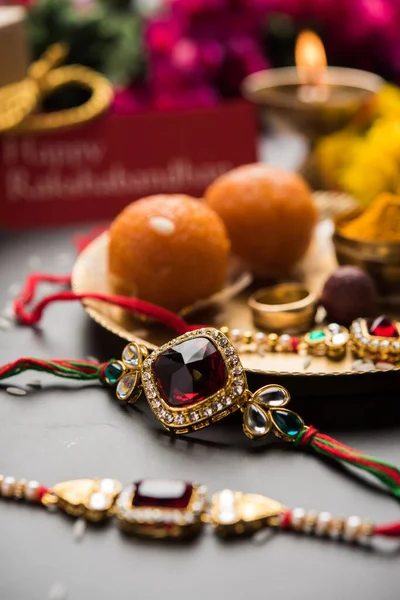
{"points": [[260, 337], [179, 419], [237, 391], [107, 486], [272, 395], [146, 376], [226, 400], [194, 416], [98, 501], [229, 351], [169, 418], [384, 343], [207, 411], [223, 341], [126, 386], [334, 327], [256, 420], [130, 355]]}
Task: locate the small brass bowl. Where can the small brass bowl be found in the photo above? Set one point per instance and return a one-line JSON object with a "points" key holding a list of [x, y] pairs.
{"points": [[381, 260]]}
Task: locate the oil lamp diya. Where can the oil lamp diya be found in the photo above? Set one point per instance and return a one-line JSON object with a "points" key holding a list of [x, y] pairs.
{"points": [[312, 98]]}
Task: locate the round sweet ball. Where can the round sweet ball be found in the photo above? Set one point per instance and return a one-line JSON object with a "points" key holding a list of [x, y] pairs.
{"points": [[170, 250], [269, 214], [349, 293]]}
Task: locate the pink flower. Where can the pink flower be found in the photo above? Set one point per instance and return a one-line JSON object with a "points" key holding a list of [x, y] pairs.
{"points": [[129, 100]]}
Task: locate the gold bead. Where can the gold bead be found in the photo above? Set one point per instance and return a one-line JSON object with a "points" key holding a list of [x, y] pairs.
{"points": [[272, 340], [247, 337], [225, 330], [20, 486], [366, 529]]}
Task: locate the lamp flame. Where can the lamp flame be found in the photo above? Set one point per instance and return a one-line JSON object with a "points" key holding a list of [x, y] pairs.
{"points": [[310, 58]]}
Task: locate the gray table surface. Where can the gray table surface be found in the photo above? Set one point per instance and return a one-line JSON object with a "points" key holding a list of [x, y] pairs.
{"points": [[64, 432]]}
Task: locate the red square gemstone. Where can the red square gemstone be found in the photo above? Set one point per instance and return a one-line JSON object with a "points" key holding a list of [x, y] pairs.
{"points": [[384, 327], [162, 493], [190, 372]]}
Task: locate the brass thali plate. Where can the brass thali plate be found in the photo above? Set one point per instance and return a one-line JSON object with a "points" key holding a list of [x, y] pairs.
{"points": [[90, 275]]}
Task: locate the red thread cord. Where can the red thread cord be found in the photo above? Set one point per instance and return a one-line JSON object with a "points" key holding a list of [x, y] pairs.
{"points": [[139, 307], [69, 369], [286, 519], [388, 530], [325, 445], [41, 491]]}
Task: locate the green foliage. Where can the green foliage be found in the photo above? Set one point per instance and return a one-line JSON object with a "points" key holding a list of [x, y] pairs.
{"points": [[107, 38]]}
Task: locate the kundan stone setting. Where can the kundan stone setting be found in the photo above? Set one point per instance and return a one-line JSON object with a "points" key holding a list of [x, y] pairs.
{"points": [[194, 380], [190, 372]]}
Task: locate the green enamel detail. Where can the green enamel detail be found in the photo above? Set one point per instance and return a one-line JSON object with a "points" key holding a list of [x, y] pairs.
{"points": [[317, 336], [287, 422], [113, 372]]}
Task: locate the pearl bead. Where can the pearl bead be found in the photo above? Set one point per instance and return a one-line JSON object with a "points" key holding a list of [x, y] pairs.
{"points": [[351, 527], [31, 491], [298, 515], [259, 337], [235, 335], [7, 486], [284, 342], [323, 521]]}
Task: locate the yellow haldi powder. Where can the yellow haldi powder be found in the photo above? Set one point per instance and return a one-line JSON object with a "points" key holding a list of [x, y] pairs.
{"points": [[380, 222]]}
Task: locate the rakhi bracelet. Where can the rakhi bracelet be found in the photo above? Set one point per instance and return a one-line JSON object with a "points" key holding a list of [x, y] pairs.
{"points": [[196, 380], [376, 340], [157, 508], [212, 383]]}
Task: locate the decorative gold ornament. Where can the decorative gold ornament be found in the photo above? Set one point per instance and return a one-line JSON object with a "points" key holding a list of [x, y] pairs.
{"points": [[161, 508], [197, 379], [373, 346], [92, 499], [18, 101], [165, 509], [236, 513]]}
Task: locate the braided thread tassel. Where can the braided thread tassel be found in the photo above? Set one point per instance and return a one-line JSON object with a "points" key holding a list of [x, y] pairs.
{"points": [[68, 369], [320, 443]]}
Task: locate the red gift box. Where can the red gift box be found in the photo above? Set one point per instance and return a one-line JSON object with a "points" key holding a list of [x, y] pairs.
{"points": [[93, 171]]}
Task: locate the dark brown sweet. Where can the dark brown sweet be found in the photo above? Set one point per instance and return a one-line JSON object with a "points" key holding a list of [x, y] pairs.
{"points": [[349, 293]]}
